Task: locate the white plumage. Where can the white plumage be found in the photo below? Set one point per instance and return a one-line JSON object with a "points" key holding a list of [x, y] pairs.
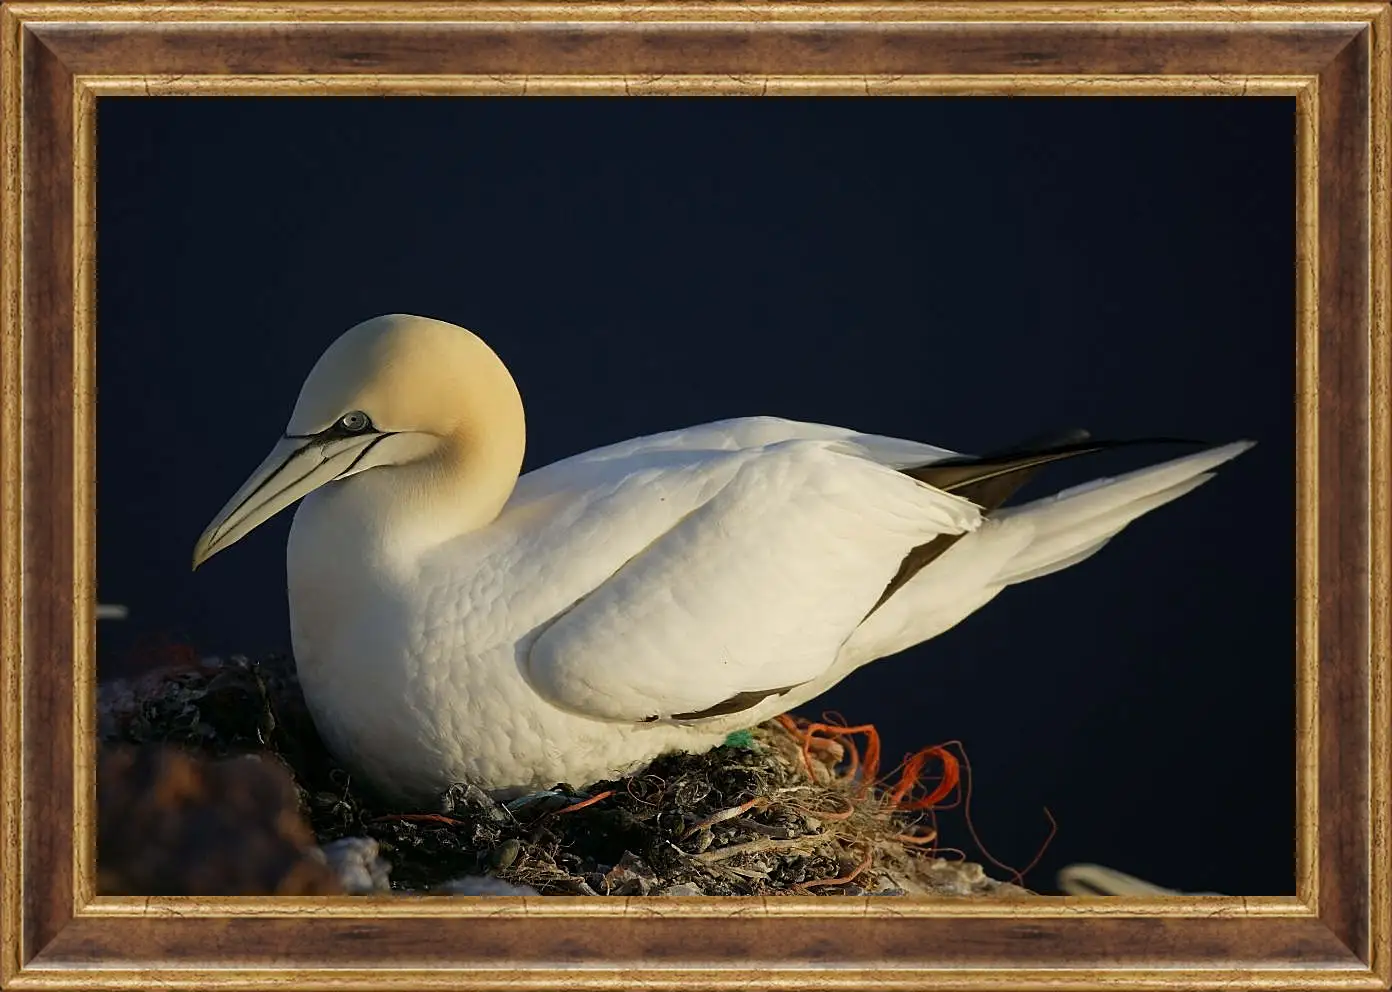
{"points": [[454, 623]]}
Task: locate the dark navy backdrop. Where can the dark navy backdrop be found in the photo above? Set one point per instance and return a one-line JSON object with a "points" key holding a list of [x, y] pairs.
{"points": [[965, 272]]}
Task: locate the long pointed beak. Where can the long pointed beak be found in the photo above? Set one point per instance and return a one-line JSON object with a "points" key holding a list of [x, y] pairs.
{"points": [[294, 468]]}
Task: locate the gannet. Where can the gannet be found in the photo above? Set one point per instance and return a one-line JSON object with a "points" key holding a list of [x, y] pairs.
{"points": [[454, 623]]}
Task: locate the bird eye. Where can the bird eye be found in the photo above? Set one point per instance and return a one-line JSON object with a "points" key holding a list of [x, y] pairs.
{"points": [[354, 422]]}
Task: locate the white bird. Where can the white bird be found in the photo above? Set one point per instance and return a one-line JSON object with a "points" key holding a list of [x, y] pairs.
{"points": [[1098, 880], [454, 623]]}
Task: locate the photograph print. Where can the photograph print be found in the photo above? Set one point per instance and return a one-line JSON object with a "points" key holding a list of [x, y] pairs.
{"points": [[696, 497]]}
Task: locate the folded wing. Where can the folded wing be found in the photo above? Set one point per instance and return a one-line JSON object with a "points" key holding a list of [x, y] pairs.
{"points": [[748, 593]]}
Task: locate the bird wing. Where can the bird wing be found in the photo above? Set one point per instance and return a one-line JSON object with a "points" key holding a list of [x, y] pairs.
{"points": [[764, 563], [732, 435]]}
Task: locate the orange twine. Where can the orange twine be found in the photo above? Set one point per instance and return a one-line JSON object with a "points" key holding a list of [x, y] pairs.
{"points": [[913, 772], [584, 803], [955, 775]]}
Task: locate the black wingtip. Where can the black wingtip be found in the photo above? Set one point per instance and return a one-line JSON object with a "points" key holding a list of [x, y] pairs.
{"points": [[989, 480], [1074, 441], [1043, 442]]}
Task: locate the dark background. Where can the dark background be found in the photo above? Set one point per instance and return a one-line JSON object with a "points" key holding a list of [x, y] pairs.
{"points": [[967, 272]]}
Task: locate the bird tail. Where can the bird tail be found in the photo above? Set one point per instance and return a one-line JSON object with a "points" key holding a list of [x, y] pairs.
{"points": [[1074, 524]]}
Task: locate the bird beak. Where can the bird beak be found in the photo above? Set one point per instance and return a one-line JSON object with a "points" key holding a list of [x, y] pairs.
{"points": [[295, 467]]}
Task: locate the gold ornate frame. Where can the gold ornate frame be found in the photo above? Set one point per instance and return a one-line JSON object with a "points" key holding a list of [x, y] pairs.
{"points": [[57, 59]]}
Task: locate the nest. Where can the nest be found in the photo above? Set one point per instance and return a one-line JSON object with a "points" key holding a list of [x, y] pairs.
{"points": [[787, 808]]}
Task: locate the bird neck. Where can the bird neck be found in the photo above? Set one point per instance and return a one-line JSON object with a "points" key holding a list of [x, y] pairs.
{"points": [[474, 473], [464, 484]]}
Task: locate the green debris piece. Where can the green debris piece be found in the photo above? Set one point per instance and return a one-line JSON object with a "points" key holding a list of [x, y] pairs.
{"points": [[741, 738]]}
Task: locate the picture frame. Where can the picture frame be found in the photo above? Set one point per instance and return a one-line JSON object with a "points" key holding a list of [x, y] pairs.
{"points": [[57, 60]]}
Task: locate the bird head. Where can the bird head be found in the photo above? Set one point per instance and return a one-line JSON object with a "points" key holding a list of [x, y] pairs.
{"points": [[393, 391]]}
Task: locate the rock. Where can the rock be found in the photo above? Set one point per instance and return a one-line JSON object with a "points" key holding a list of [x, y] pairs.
{"points": [[357, 863], [940, 877], [682, 889], [621, 881], [171, 824], [483, 885]]}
